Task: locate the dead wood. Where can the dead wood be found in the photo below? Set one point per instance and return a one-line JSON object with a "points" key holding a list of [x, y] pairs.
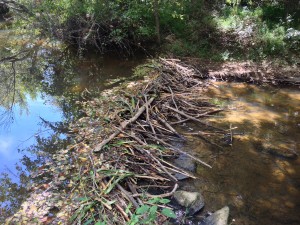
{"points": [[138, 153], [124, 125]]}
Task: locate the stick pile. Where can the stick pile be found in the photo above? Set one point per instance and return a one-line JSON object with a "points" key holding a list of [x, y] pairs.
{"points": [[120, 158]]}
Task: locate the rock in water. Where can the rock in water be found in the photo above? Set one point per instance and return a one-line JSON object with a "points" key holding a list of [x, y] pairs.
{"points": [[219, 217], [194, 201], [281, 151], [186, 163]]}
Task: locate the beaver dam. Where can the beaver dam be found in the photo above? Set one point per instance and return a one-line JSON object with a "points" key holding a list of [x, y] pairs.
{"points": [[124, 166]]}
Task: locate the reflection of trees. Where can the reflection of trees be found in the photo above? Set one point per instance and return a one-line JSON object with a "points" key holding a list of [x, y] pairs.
{"points": [[11, 194], [28, 73], [55, 73], [16, 82], [32, 71]]}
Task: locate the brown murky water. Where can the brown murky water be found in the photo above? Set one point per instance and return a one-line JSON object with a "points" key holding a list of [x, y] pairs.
{"points": [[258, 177]]}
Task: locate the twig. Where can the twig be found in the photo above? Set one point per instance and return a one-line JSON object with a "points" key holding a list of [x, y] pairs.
{"points": [[178, 150], [231, 135], [122, 211], [162, 167], [159, 196], [130, 198], [173, 97], [170, 127], [178, 170], [148, 118], [192, 118], [124, 125]]}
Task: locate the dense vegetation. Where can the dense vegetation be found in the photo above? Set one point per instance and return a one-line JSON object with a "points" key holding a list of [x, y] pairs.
{"points": [[219, 30]]}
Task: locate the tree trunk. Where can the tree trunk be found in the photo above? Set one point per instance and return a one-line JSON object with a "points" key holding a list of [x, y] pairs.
{"points": [[157, 23]]}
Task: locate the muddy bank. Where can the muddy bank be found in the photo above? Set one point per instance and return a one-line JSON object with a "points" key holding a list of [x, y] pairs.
{"points": [[250, 72]]}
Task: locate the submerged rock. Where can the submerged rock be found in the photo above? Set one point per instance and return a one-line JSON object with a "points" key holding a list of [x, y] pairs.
{"points": [[279, 151], [194, 201], [186, 163], [282, 153], [219, 217]]}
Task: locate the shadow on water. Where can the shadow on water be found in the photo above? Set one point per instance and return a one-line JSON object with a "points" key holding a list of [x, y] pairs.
{"points": [[259, 175]]}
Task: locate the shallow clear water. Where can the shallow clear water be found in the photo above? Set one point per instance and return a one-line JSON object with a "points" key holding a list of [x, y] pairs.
{"points": [[259, 185]]}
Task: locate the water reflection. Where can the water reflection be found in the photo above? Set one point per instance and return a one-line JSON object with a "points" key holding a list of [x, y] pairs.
{"points": [[39, 89], [259, 176]]}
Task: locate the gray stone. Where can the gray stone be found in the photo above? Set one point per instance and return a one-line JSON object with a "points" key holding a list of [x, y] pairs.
{"points": [[186, 163], [180, 176], [219, 217], [194, 201]]}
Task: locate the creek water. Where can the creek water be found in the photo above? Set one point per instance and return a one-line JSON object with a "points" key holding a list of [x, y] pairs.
{"points": [[258, 176], [46, 86], [260, 186]]}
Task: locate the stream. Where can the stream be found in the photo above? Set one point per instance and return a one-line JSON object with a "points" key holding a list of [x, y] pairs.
{"points": [[48, 84], [258, 176], [258, 181]]}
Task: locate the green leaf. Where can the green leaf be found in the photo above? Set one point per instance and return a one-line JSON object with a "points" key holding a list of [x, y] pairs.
{"points": [[132, 103], [168, 213], [154, 200], [134, 219], [128, 208], [164, 201], [83, 199], [143, 209], [100, 223], [153, 210]]}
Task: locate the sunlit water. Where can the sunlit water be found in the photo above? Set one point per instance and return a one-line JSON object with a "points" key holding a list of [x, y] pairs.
{"points": [[260, 187]]}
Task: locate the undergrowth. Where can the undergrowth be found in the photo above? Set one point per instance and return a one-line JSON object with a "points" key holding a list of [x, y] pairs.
{"points": [[241, 33]]}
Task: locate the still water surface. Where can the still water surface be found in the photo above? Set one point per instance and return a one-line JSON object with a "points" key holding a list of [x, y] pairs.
{"points": [[48, 84], [258, 177]]}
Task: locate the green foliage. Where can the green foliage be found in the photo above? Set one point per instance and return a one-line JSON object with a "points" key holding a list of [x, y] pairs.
{"points": [[252, 29], [147, 214], [260, 31]]}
